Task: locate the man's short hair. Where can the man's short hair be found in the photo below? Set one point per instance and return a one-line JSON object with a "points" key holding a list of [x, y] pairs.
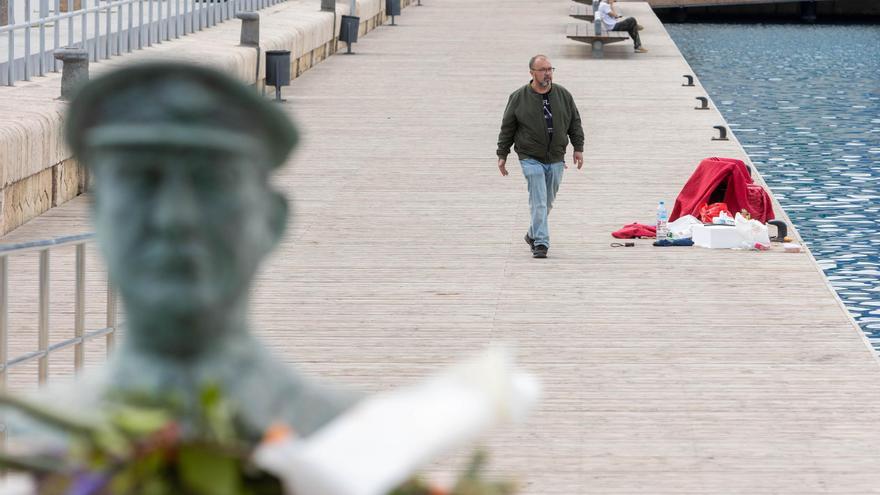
{"points": [[533, 59]]}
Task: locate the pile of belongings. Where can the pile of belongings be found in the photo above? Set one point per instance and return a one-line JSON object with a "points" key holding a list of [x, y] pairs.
{"points": [[722, 180], [717, 187]]}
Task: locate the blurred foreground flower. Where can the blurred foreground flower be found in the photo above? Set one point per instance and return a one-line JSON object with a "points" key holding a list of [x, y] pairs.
{"points": [[380, 442], [373, 449]]}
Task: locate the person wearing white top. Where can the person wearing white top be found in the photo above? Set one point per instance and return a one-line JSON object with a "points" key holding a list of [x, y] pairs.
{"points": [[612, 22]]}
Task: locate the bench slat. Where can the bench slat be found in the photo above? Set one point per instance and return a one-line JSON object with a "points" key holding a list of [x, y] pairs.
{"points": [[585, 33], [582, 12]]}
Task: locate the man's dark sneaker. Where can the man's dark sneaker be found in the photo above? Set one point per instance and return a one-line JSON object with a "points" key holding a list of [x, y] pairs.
{"points": [[529, 241], [539, 251]]}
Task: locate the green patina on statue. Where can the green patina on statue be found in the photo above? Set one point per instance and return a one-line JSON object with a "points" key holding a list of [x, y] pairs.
{"points": [[180, 158]]}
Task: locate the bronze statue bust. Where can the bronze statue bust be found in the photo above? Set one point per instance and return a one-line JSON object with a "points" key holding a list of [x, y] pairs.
{"points": [[180, 159]]}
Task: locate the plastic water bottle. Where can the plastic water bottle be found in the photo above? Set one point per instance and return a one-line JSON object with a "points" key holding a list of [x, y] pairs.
{"points": [[597, 24], [662, 217]]}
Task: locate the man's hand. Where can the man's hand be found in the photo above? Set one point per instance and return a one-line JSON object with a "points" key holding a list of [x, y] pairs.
{"points": [[579, 159], [501, 166]]}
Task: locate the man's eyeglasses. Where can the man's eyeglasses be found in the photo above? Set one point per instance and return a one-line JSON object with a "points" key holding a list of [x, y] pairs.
{"points": [[551, 69]]}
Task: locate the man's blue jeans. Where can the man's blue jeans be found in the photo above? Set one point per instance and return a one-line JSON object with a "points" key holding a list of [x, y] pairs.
{"points": [[543, 180]]}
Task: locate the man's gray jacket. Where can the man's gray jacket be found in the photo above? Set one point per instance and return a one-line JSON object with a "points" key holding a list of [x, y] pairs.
{"points": [[524, 126]]}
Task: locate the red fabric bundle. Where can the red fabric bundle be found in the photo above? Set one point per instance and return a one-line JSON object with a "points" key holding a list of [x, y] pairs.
{"points": [[742, 192], [634, 230], [709, 212]]}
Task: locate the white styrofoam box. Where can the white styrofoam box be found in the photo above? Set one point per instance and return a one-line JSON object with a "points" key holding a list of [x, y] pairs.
{"points": [[716, 236]]}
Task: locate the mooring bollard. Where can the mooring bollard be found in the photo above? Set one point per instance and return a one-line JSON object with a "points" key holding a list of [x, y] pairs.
{"points": [[722, 133], [250, 28], [328, 5], [690, 80], [75, 69], [704, 103], [781, 230]]}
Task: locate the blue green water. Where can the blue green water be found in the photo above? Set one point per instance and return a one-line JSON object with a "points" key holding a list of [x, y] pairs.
{"points": [[804, 101]]}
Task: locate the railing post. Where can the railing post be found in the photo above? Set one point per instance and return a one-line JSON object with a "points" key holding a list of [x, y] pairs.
{"points": [[4, 339], [111, 316], [43, 331], [79, 323], [4, 318], [75, 70]]}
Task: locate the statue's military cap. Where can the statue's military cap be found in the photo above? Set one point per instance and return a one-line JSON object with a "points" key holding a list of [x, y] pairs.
{"points": [[168, 104]]}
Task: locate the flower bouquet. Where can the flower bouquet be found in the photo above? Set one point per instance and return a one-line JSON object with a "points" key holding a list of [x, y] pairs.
{"points": [[144, 447]]}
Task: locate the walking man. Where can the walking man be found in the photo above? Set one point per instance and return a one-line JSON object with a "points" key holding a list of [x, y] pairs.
{"points": [[612, 21], [539, 120]]}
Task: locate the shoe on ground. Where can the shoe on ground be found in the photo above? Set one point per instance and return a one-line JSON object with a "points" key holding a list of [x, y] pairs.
{"points": [[539, 251], [641, 49], [529, 241], [640, 27]]}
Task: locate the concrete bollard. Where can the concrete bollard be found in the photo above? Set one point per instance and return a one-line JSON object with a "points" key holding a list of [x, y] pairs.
{"points": [[250, 28], [75, 70], [328, 5]]}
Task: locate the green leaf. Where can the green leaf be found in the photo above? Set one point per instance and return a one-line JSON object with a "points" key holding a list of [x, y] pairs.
{"points": [[38, 464], [55, 418], [111, 443], [140, 422], [208, 471], [218, 416]]}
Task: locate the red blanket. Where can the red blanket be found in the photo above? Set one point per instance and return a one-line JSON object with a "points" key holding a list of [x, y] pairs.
{"points": [[742, 192], [635, 230]]}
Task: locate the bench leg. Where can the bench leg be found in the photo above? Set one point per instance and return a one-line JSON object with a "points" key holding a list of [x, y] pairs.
{"points": [[597, 49]]}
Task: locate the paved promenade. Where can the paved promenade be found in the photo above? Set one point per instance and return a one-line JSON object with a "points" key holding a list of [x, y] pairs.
{"points": [[666, 370]]}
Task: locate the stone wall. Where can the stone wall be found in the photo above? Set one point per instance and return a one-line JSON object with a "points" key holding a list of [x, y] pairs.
{"points": [[36, 171]]}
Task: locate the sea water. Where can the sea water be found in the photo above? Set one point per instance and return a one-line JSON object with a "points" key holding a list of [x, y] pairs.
{"points": [[804, 101]]}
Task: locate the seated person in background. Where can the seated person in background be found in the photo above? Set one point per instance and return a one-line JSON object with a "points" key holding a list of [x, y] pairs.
{"points": [[615, 22]]}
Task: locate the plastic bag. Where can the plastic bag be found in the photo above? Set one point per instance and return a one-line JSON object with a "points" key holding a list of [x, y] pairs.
{"points": [[682, 227], [753, 233]]}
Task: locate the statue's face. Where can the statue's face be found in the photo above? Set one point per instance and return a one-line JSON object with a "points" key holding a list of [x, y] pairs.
{"points": [[182, 230]]}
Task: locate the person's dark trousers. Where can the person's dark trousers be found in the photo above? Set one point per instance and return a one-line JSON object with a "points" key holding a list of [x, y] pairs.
{"points": [[631, 26]]}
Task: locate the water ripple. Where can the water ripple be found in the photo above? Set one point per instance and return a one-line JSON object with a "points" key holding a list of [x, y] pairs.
{"points": [[805, 106]]}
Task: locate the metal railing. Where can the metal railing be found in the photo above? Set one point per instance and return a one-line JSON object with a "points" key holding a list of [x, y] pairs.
{"points": [[81, 335], [127, 25]]}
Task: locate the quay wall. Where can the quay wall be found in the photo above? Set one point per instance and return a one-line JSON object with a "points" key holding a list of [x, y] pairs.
{"points": [[37, 171], [742, 10]]}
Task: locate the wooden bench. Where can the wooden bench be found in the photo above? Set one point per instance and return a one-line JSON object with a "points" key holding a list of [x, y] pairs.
{"points": [[585, 33], [581, 12]]}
